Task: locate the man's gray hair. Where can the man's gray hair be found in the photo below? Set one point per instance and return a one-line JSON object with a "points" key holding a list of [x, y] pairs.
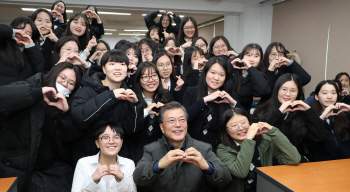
{"points": [[169, 106]]}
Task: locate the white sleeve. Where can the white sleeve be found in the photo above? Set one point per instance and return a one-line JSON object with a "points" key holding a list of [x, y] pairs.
{"points": [[128, 184], [80, 183]]}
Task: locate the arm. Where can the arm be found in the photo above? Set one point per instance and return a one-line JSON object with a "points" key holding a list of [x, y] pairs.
{"points": [[81, 182], [128, 184], [6, 32], [261, 87], [193, 108], [35, 58], [221, 176], [298, 70], [143, 174], [149, 18], [67, 131], [177, 20], [271, 78], [314, 124], [274, 118], [237, 163], [193, 78], [283, 150], [101, 29], [134, 118]]}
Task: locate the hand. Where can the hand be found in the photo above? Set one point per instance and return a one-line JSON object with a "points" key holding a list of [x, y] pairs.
{"points": [[345, 91], [166, 35], [133, 68], [226, 98], [114, 170], [200, 64], [76, 60], [274, 64], [131, 96], [263, 128], [165, 85], [58, 15], [299, 105], [170, 13], [152, 105], [285, 107], [193, 156], [171, 157], [21, 38], [185, 45], [252, 131], [50, 35], [155, 37], [212, 96], [231, 54], [283, 61], [246, 65], [342, 107], [95, 55], [147, 58], [92, 43], [61, 104], [162, 12], [100, 172], [120, 94], [179, 83], [328, 111]]}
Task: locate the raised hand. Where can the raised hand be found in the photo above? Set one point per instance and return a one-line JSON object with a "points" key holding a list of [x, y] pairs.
{"points": [[120, 94], [21, 38], [226, 98], [285, 107], [171, 157], [100, 172], [131, 96], [299, 105], [61, 104], [115, 170], [328, 111], [193, 156], [179, 83], [231, 54]]}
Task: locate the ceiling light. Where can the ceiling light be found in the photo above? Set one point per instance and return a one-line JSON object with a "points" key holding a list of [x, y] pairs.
{"points": [[144, 14], [130, 34], [108, 33], [135, 30], [181, 15], [110, 30], [112, 13], [33, 9]]}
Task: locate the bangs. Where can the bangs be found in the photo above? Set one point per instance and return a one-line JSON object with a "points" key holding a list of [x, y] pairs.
{"points": [[252, 51]]}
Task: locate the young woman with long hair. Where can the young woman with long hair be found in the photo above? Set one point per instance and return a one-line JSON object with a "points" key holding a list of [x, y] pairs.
{"points": [[37, 150], [193, 63], [245, 145], [96, 25], [335, 116], [96, 52], [187, 32], [133, 52], [212, 97], [171, 46], [296, 119], [58, 10], [148, 49], [201, 43], [344, 79], [220, 46]]}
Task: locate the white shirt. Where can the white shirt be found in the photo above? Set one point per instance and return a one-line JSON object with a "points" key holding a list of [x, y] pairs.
{"points": [[87, 166], [148, 101]]}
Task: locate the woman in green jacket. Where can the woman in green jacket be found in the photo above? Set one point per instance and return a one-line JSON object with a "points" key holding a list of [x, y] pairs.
{"points": [[243, 147]]}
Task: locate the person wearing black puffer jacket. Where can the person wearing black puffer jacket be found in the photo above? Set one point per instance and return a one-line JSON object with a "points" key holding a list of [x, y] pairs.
{"points": [[104, 97], [37, 129]]}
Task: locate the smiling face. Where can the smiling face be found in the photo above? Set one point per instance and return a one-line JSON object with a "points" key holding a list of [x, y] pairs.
{"points": [[237, 127], [27, 29], [146, 52], [220, 48], [71, 47], [344, 80], [164, 66], [115, 72], [165, 21], [133, 58], [59, 7], [43, 23], [111, 146], [149, 80], [101, 47], [67, 79], [189, 30], [201, 44], [215, 77], [196, 56], [252, 57], [275, 54], [327, 95], [288, 92], [78, 27], [174, 125]]}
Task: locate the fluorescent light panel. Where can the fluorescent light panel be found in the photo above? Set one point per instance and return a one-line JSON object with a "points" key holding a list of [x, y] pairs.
{"points": [[129, 34], [110, 30], [112, 13], [108, 33], [135, 30], [33, 9]]}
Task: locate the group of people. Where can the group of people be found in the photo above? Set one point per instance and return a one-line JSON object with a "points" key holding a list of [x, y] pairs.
{"points": [[167, 113]]}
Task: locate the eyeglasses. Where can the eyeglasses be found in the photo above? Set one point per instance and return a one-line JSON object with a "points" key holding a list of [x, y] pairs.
{"points": [[202, 46], [147, 78], [189, 28], [235, 126], [219, 46], [62, 78], [182, 121], [148, 51], [161, 65], [107, 139], [292, 92], [275, 55], [69, 50]]}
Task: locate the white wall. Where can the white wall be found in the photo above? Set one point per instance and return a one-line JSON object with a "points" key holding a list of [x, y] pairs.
{"points": [[112, 40]]}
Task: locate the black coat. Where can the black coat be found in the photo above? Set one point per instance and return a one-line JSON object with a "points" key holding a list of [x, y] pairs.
{"points": [[177, 95], [197, 120], [33, 61], [47, 50], [97, 30], [95, 104], [23, 112]]}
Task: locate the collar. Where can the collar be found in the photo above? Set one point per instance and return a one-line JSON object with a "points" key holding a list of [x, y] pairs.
{"points": [[209, 92], [148, 100], [173, 148], [95, 159], [238, 145], [186, 40]]}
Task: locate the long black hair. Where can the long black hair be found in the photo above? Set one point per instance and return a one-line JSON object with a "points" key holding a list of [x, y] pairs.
{"points": [[194, 41], [161, 54], [93, 50], [341, 122], [223, 136], [36, 12], [9, 50], [159, 94], [64, 14], [181, 35], [94, 22], [161, 29], [227, 85], [280, 49], [213, 41], [49, 80], [298, 130], [187, 65], [85, 38], [57, 49], [136, 49], [338, 76], [177, 58], [152, 45]]}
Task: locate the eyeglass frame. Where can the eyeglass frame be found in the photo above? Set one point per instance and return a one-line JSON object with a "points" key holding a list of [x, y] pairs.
{"points": [[181, 121], [149, 77], [109, 139]]}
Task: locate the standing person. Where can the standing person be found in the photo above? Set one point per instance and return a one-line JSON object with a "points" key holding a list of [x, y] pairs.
{"points": [[188, 30], [105, 171], [171, 83], [96, 25], [244, 146], [20, 58], [344, 79], [171, 46], [43, 20], [101, 48], [220, 46], [59, 12], [277, 63], [250, 77], [133, 52], [164, 24], [37, 151], [207, 101], [148, 49], [286, 111], [148, 87], [201, 43], [177, 162], [335, 118], [101, 99], [193, 63]]}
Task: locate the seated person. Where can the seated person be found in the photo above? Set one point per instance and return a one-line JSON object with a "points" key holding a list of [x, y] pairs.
{"points": [[176, 161], [105, 171]]}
